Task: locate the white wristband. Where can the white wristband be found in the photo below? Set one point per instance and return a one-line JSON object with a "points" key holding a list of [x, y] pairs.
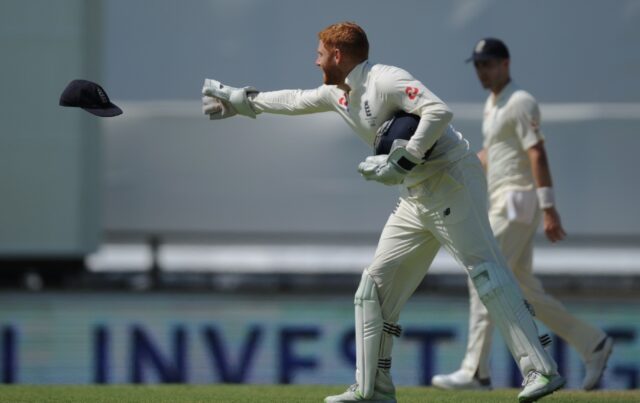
{"points": [[545, 197]]}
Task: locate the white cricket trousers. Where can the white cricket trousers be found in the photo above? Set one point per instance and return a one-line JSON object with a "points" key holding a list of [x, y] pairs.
{"points": [[516, 242], [450, 209]]}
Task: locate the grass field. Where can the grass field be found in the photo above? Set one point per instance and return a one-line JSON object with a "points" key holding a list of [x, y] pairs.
{"points": [[274, 393]]}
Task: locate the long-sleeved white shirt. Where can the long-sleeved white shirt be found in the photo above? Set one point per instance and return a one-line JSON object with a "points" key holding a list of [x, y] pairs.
{"points": [[376, 93]]}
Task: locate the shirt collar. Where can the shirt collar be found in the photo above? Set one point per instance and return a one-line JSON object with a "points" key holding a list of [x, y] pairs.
{"points": [[506, 92], [357, 75]]}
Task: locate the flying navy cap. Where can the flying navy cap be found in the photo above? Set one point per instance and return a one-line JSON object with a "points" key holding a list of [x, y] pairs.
{"points": [[89, 96], [487, 49]]}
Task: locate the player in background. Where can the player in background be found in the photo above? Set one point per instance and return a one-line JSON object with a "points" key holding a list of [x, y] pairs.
{"points": [[443, 202], [521, 195]]}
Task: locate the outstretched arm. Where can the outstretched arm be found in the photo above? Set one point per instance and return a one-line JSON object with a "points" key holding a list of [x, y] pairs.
{"points": [[221, 101], [292, 102]]}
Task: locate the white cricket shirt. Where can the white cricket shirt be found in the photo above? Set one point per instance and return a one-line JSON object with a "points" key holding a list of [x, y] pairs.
{"points": [[377, 93], [510, 126]]}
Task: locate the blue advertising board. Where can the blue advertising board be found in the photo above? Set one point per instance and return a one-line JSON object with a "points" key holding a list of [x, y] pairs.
{"points": [[198, 338]]}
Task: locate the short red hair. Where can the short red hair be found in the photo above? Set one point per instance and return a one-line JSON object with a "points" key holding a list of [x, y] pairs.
{"points": [[347, 36]]}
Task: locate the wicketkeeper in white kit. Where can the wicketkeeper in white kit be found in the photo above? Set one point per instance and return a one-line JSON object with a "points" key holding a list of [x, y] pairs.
{"points": [[443, 202], [520, 192]]}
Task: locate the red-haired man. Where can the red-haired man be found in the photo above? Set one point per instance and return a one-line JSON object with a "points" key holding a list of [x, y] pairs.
{"points": [[442, 203]]}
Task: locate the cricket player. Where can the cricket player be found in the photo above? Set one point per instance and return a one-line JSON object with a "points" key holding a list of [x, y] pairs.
{"points": [[521, 195], [443, 202]]}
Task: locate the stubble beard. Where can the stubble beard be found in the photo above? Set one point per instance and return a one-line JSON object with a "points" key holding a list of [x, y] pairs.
{"points": [[329, 77]]}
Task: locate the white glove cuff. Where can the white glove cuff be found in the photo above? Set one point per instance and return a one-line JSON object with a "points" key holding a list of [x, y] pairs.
{"points": [[401, 157], [546, 198], [240, 101]]}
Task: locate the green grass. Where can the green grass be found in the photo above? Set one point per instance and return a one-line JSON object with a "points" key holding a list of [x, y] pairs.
{"points": [[274, 393]]}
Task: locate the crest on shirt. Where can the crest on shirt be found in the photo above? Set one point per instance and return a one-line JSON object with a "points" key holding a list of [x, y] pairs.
{"points": [[344, 102]]}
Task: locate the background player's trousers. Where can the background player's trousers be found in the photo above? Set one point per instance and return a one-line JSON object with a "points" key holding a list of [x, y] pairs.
{"points": [[516, 242], [450, 209]]}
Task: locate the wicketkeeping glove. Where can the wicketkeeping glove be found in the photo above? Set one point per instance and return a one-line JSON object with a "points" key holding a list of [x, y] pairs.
{"points": [[236, 98], [389, 169], [217, 108]]}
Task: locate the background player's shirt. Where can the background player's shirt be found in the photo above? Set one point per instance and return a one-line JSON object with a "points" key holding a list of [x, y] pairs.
{"points": [[510, 126], [377, 93]]}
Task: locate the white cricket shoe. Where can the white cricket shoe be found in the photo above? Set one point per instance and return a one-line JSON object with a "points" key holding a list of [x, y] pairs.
{"points": [[537, 385], [352, 395], [460, 380], [596, 364]]}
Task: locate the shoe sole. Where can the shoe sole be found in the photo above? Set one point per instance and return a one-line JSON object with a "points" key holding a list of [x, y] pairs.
{"points": [[609, 347], [553, 387], [351, 399]]}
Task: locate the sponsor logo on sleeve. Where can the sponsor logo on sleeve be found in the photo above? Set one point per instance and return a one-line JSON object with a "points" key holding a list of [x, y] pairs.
{"points": [[412, 92]]}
